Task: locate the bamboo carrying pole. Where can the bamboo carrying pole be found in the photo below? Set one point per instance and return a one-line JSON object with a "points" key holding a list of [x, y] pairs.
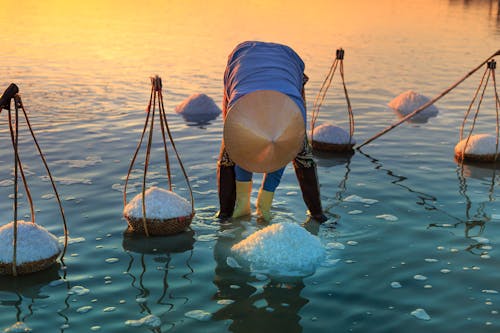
{"points": [[429, 103]]}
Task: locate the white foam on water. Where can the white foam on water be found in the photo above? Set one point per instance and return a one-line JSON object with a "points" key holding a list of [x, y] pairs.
{"points": [[78, 290], [6, 182], [420, 277], [150, 321], [445, 271], [355, 212], [283, 249], [84, 309], [109, 309], [34, 243], [112, 260], [18, 327], [387, 217], [95, 328], [420, 314], [160, 204], [88, 161], [352, 243], [495, 216], [481, 240], [206, 238], [396, 285], [332, 134], [225, 301], [335, 246], [357, 198], [231, 262], [198, 315], [489, 291], [72, 240], [430, 260]]}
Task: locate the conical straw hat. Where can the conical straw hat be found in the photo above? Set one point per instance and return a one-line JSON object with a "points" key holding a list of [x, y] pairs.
{"points": [[264, 131]]}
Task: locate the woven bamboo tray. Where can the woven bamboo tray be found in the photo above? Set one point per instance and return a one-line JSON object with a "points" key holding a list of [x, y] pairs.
{"points": [[159, 227], [29, 267], [332, 147], [476, 158]]}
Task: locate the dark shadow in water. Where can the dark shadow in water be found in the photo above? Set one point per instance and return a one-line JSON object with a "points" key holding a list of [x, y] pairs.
{"points": [[27, 287], [200, 120], [139, 248], [477, 216], [258, 306], [420, 118], [491, 7], [328, 160]]}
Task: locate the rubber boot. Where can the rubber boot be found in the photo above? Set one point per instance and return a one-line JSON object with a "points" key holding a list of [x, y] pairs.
{"points": [[264, 200], [242, 207], [308, 181], [227, 191]]}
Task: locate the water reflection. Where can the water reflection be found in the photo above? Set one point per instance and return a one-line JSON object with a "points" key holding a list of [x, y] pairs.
{"points": [[27, 289], [492, 7], [199, 120], [254, 304], [142, 249]]}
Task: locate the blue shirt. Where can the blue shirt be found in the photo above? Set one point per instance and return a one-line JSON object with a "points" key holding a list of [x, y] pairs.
{"points": [[264, 66]]}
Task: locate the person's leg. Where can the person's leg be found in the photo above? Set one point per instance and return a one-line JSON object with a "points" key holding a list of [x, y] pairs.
{"points": [[226, 185], [243, 191], [305, 170], [266, 193]]}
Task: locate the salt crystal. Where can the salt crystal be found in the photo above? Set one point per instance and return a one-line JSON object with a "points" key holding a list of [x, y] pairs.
{"points": [[198, 315], [409, 101], [489, 291], [420, 314], [431, 260], [420, 277], [283, 248], [198, 104], [355, 212], [332, 134], [481, 240], [34, 243], [160, 204], [479, 144], [109, 309], [112, 260]]}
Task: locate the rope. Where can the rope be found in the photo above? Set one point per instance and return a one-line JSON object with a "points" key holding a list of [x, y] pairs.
{"points": [[19, 104], [155, 99], [318, 102], [446, 91], [14, 137]]}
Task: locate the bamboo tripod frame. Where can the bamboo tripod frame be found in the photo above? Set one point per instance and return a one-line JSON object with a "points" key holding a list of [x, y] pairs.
{"points": [[11, 93], [156, 100]]}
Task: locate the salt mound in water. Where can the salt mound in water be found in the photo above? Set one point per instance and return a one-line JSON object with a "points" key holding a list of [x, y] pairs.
{"points": [[164, 210], [328, 137], [198, 107], [409, 101], [284, 249], [481, 147], [37, 248]]}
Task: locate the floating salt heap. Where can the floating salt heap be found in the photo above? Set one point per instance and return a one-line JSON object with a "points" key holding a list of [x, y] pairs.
{"points": [[481, 147], [37, 248], [198, 108], [409, 101], [284, 249], [327, 137], [166, 212]]}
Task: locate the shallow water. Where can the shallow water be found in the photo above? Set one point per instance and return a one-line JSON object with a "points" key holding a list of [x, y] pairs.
{"points": [[431, 227]]}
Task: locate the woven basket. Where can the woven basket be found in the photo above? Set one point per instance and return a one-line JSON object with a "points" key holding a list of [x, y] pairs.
{"points": [[28, 267], [476, 158], [332, 147], [159, 227]]}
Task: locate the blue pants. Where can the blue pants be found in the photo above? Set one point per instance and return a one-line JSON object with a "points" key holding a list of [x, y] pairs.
{"points": [[271, 180]]}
